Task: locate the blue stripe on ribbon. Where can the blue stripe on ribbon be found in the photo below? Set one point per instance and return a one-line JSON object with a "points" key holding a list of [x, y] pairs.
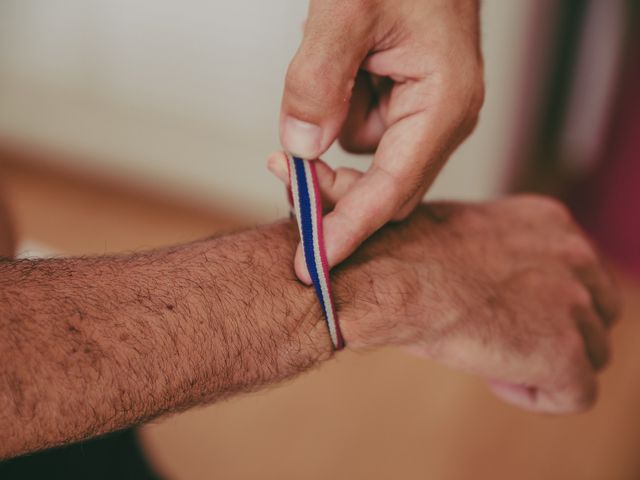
{"points": [[306, 227]]}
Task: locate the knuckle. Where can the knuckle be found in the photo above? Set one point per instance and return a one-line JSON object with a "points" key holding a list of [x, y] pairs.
{"points": [[464, 81], [545, 206], [555, 209], [583, 396], [393, 185], [578, 252], [580, 298], [309, 81], [352, 231], [531, 201], [528, 199]]}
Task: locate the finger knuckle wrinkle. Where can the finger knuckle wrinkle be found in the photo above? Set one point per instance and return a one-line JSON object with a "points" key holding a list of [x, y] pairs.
{"points": [[392, 182], [311, 81]]}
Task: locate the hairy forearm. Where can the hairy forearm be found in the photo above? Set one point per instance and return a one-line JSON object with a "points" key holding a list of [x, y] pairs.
{"points": [[90, 345]]}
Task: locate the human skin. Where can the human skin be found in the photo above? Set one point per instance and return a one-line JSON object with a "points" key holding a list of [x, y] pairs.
{"points": [[551, 232], [401, 78], [7, 236], [508, 290]]}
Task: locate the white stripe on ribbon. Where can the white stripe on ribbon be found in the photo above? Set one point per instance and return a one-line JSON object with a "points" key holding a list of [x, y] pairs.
{"points": [[315, 217]]}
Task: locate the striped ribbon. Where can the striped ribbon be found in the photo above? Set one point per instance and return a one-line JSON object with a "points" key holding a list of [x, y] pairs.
{"points": [[307, 205]]}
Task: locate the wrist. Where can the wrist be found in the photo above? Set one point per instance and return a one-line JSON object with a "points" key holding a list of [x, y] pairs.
{"points": [[374, 300], [277, 330], [383, 299]]}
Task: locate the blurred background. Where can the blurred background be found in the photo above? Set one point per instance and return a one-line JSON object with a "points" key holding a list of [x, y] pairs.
{"points": [[127, 124], [184, 97]]}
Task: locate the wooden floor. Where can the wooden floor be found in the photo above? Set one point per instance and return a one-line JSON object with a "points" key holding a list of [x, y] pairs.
{"points": [[383, 415]]}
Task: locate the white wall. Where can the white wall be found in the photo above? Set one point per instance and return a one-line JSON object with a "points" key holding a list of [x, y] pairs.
{"points": [[184, 95]]}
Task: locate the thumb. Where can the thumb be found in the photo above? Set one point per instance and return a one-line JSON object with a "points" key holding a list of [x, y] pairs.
{"points": [[321, 76]]}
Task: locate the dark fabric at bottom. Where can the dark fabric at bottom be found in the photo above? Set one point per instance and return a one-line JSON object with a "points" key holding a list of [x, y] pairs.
{"points": [[115, 456]]}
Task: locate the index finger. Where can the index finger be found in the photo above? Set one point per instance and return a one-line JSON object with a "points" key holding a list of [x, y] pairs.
{"points": [[410, 155]]}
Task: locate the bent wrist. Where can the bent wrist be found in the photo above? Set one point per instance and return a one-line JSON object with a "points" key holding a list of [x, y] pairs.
{"points": [[376, 297], [383, 296]]}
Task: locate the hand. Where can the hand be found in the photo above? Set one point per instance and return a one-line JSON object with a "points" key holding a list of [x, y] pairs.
{"points": [[509, 290], [402, 78]]}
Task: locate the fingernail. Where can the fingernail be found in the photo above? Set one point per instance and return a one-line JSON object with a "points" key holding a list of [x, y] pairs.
{"points": [[300, 138], [278, 166]]}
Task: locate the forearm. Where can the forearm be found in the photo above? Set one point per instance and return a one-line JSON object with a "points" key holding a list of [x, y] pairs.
{"points": [[92, 345], [89, 345]]}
